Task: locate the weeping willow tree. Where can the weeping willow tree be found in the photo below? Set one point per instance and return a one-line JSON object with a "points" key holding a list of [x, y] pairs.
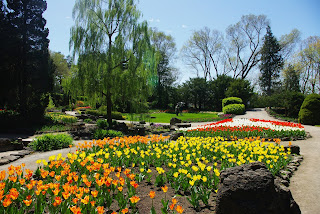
{"points": [[115, 60]]}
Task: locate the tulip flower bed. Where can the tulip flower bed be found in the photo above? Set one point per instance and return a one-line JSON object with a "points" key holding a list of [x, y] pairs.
{"points": [[242, 128], [133, 175]]}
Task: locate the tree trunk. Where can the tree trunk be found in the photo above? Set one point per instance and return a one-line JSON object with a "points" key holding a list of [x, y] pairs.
{"points": [[109, 108]]}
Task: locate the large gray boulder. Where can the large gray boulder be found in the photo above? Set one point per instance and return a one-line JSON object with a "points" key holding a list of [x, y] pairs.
{"points": [[174, 121], [7, 145], [252, 189]]}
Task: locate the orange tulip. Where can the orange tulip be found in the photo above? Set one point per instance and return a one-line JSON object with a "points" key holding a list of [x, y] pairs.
{"points": [[164, 189], [179, 209], [152, 194], [126, 210], [134, 199], [100, 209], [27, 202]]}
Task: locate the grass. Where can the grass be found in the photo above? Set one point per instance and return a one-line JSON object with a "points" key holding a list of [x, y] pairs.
{"points": [[166, 117], [53, 128]]}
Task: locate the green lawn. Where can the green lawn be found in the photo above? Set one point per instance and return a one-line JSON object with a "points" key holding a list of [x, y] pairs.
{"points": [[165, 117]]}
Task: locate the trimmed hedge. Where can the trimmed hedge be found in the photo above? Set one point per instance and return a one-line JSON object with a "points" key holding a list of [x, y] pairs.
{"points": [[231, 100], [50, 142], [234, 109], [309, 113]]}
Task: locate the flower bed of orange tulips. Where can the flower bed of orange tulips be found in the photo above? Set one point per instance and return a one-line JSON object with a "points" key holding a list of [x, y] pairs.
{"points": [[117, 175]]}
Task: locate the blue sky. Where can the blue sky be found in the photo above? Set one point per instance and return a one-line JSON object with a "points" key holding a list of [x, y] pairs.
{"points": [[181, 17]]}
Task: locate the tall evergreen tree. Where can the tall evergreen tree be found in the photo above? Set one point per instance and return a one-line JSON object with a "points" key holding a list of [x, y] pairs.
{"points": [[25, 46], [271, 63]]}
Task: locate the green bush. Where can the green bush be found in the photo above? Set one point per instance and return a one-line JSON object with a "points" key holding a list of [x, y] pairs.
{"points": [[102, 124], [88, 120], [231, 100], [50, 142], [115, 115], [309, 113], [102, 133], [234, 109], [62, 118], [292, 102]]}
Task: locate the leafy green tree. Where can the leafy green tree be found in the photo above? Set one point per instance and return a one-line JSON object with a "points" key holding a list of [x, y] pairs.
{"points": [[240, 88], [61, 69], [24, 45], [198, 92], [271, 63], [218, 88], [114, 52], [291, 79]]}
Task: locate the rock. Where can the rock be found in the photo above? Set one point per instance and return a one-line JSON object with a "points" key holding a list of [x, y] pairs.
{"points": [[24, 152], [142, 122], [11, 157], [7, 145], [294, 149], [175, 120], [281, 181], [250, 189], [173, 128], [141, 130], [121, 127], [4, 161], [175, 136], [183, 125]]}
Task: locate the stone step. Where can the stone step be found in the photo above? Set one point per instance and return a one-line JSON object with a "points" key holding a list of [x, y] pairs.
{"points": [[183, 125]]}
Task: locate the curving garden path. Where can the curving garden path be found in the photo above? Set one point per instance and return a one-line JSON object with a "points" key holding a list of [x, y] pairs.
{"points": [[305, 183]]}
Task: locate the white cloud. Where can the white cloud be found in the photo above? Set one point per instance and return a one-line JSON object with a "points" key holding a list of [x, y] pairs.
{"points": [[68, 17], [157, 20], [151, 20], [184, 26]]}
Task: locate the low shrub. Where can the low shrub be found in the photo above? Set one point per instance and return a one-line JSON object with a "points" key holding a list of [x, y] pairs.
{"points": [[234, 109], [88, 120], [102, 133], [102, 124], [309, 112], [231, 100], [62, 118], [50, 142], [115, 115]]}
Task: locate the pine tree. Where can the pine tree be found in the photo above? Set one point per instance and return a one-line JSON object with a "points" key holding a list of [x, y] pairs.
{"points": [[25, 46], [271, 63]]}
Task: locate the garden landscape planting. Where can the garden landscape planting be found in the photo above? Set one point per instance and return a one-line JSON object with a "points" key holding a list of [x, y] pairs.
{"points": [[135, 174]]}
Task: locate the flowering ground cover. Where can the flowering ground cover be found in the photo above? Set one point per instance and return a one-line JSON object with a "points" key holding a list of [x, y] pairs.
{"points": [[134, 175], [248, 128]]}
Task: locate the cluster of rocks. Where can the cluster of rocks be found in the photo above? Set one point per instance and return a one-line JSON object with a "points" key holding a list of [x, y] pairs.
{"points": [[177, 123], [6, 145], [285, 174], [252, 188]]}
